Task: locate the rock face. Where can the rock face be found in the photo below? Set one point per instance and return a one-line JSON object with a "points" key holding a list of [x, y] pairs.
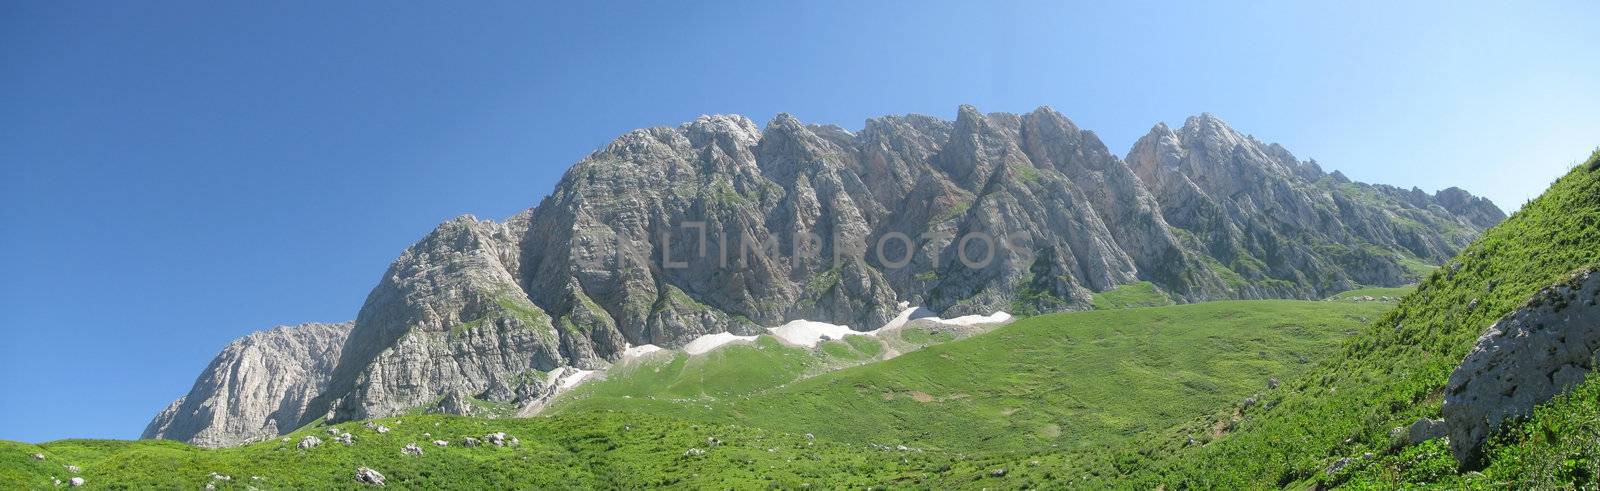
{"points": [[1478, 211], [1282, 227], [257, 388], [455, 402], [1531, 355], [720, 225], [448, 315]]}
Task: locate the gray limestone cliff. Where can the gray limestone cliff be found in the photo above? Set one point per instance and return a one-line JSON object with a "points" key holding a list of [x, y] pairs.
{"points": [[1280, 227], [257, 387]]}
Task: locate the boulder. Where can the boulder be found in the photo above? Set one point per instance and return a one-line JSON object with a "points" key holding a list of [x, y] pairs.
{"points": [[309, 442], [412, 449], [76, 482], [369, 477], [497, 439], [1425, 429], [1540, 350]]}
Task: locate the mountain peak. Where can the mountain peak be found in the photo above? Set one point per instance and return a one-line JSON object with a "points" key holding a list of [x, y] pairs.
{"points": [[968, 118], [1210, 128], [734, 129], [1046, 111], [785, 120]]}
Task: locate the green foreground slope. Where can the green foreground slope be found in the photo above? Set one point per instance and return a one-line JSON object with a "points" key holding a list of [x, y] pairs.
{"points": [[598, 450], [1393, 373], [1067, 380]]}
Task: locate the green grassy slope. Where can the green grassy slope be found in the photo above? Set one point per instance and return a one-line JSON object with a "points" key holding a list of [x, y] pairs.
{"points": [[727, 372], [1060, 381], [1393, 372], [1067, 380], [1376, 292], [1132, 295], [603, 450], [665, 382]]}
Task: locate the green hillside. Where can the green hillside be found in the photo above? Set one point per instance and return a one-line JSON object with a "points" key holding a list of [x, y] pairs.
{"points": [[664, 380], [578, 451], [1393, 372], [1376, 292], [673, 382], [1060, 381], [1132, 295], [1064, 380]]}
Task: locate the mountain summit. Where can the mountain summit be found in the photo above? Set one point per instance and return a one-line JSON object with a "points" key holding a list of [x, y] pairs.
{"points": [[718, 225]]}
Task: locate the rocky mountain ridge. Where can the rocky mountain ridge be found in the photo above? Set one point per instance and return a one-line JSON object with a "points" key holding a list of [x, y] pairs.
{"points": [[256, 388], [719, 225]]}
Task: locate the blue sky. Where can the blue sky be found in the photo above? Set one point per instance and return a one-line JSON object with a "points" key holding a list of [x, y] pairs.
{"points": [[176, 174]]}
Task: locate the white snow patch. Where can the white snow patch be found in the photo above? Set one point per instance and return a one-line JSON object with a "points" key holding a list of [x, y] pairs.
{"points": [[810, 333], [641, 350], [971, 320], [709, 342], [905, 316]]}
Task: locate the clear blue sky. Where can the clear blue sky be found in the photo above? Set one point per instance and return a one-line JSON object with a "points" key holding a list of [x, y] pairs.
{"points": [[177, 174]]}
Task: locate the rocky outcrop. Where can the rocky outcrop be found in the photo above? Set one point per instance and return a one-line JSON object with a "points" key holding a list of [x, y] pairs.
{"points": [[455, 402], [1475, 210], [1527, 357], [722, 225], [448, 315], [257, 388], [1283, 228]]}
